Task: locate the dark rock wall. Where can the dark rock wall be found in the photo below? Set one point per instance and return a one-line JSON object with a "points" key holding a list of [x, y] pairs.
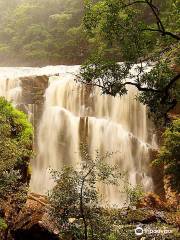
{"points": [[32, 100]]}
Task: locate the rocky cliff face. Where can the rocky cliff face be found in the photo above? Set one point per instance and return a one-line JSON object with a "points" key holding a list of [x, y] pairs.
{"points": [[33, 222], [31, 102], [33, 90], [32, 99]]}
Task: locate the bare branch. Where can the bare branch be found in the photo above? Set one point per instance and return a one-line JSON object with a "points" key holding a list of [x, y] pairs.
{"points": [[155, 11], [172, 35], [172, 81], [162, 32], [82, 204], [140, 88], [168, 87], [156, 14]]}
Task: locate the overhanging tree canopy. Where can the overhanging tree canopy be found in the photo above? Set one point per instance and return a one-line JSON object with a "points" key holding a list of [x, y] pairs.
{"points": [[145, 33]]}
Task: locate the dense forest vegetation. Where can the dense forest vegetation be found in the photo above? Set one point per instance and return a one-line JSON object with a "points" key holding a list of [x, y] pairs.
{"points": [[51, 32], [145, 41], [42, 32], [96, 34]]}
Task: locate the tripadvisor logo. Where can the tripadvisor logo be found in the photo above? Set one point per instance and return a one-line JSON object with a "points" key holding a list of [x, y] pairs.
{"points": [[139, 231]]}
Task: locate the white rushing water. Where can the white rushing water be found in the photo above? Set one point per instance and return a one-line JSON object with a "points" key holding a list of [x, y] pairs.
{"points": [[10, 86], [72, 114]]}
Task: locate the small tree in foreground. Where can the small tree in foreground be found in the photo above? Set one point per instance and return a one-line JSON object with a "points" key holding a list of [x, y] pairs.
{"points": [[76, 204]]}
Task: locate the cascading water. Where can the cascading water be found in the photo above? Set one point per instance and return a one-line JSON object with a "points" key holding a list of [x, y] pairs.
{"points": [[10, 89], [73, 114], [10, 84]]}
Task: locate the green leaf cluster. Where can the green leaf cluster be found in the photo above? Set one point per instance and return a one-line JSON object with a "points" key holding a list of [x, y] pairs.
{"points": [[169, 153], [42, 32], [143, 35], [15, 149], [3, 225]]}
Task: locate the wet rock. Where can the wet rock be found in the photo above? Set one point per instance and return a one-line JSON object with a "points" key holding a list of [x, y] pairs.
{"points": [[33, 222], [36, 232], [33, 89], [152, 200], [33, 92]]}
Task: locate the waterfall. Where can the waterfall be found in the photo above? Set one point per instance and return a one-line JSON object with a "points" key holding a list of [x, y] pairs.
{"points": [[10, 89], [74, 113]]}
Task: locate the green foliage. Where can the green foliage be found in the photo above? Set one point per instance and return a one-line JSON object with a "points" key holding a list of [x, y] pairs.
{"points": [[169, 153], [3, 225], [76, 205], [142, 36], [107, 75], [134, 194], [42, 32], [163, 99], [16, 130], [15, 149], [8, 182], [15, 154], [77, 210]]}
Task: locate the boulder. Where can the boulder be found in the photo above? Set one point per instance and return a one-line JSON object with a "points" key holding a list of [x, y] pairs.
{"points": [[33, 222]]}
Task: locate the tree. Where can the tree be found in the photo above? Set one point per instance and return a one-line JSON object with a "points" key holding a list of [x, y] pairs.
{"points": [[169, 154], [150, 44], [76, 203], [42, 32], [15, 153]]}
